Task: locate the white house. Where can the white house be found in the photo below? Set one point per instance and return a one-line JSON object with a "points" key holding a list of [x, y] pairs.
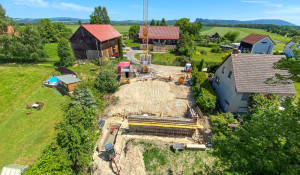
{"points": [[257, 44], [241, 75], [289, 48]]}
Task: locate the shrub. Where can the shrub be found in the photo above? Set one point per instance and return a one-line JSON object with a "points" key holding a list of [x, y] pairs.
{"points": [[216, 49], [276, 52], [204, 94], [212, 66], [182, 60], [208, 44], [204, 52], [206, 100], [106, 81], [220, 123], [197, 53]]}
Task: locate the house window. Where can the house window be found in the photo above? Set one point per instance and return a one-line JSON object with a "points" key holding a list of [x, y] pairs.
{"points": [[264, 42], [80, 42], [223, 70], [245, 96], [169, 47], [173, 47], [218, 80], [230, 73]]}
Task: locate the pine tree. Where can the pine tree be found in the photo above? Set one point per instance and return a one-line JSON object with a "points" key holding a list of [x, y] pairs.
{"points": [[120, 48], [152, 23], [158, 23], [163, 22], [64, 53]]}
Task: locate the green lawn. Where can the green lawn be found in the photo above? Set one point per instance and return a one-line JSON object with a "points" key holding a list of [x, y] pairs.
{"points": [[22, 136], [246, 31], [209, 57], [169, 57], [73, 27], [223, 30], [130, 43], [160, 159], [51, 50], [205, 28]]}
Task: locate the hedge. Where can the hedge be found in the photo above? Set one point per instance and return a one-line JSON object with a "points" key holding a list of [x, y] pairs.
{"points": [[203, 92]]}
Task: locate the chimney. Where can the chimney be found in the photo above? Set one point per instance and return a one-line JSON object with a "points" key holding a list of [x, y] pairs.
{"points": [[235, 51]]}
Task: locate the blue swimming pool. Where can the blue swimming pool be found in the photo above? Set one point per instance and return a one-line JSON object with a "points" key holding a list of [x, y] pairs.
{"points": [[53, 81]]}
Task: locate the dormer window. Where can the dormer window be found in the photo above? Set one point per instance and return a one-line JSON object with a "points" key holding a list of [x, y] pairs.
{"points": [[218, 80], [223, 70], [230, 73]]}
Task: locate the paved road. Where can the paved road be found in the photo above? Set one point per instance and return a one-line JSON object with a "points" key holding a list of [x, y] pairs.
{"points": [[131, 53]]}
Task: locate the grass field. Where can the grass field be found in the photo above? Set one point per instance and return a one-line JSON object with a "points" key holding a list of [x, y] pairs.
{"points": [[120, 28], [169, 58], [51, 50], [160, 159], [246, 31], [22, 136]]}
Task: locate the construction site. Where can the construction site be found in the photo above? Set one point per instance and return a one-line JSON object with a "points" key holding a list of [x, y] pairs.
{"points": [[154, 105], [154, 109]]}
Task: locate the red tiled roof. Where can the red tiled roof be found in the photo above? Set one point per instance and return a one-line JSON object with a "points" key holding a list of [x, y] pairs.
{"points": [[254, 38], [161, 32], [102, 32]]}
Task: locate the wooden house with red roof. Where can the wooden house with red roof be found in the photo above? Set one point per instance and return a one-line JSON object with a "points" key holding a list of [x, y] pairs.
{"points": [[92, 41], [257, 44], [161, 38]]}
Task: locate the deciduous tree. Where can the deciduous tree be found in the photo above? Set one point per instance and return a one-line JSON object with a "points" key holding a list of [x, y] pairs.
{"points": [[99, 16], [134, 32], [232, 35], [106, 81]]}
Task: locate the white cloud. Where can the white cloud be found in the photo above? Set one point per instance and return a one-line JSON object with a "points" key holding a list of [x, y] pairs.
{"points": [[71, 6], [60, 5], [264, 3], [32, 3]]}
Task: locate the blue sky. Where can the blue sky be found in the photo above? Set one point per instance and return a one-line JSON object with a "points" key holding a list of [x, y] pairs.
{"points": [[169, 9]]}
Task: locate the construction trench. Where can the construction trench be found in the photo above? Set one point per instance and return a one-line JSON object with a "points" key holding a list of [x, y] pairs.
{"points": [[154, 110]]}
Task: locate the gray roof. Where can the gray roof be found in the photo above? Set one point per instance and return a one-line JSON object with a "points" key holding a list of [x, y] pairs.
{"points": [[68, 79], [252, 70]]}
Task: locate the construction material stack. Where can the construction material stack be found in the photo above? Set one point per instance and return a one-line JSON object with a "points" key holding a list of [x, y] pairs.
{"points": [[163, 125]]}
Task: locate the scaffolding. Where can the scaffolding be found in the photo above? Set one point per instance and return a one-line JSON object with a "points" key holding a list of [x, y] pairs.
{"points": [[163, 125]]}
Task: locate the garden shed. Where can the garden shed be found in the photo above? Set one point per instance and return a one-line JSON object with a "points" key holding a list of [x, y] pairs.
{"points": [[13, 169], [68, 82]]}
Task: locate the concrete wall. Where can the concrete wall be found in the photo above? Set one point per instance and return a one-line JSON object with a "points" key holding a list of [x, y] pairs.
{"points": [[289, 51], [263, 46], [225, 90]]}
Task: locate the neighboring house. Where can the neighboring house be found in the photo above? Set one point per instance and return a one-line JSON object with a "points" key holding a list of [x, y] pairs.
{"points": [[160, 38], [10, 30], [241, 75], [92, 41], [288, 50], [257, 44], [214, 36]]}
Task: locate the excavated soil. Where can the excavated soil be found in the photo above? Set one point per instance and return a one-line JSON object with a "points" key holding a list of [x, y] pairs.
{"points": [[152, 97]]}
